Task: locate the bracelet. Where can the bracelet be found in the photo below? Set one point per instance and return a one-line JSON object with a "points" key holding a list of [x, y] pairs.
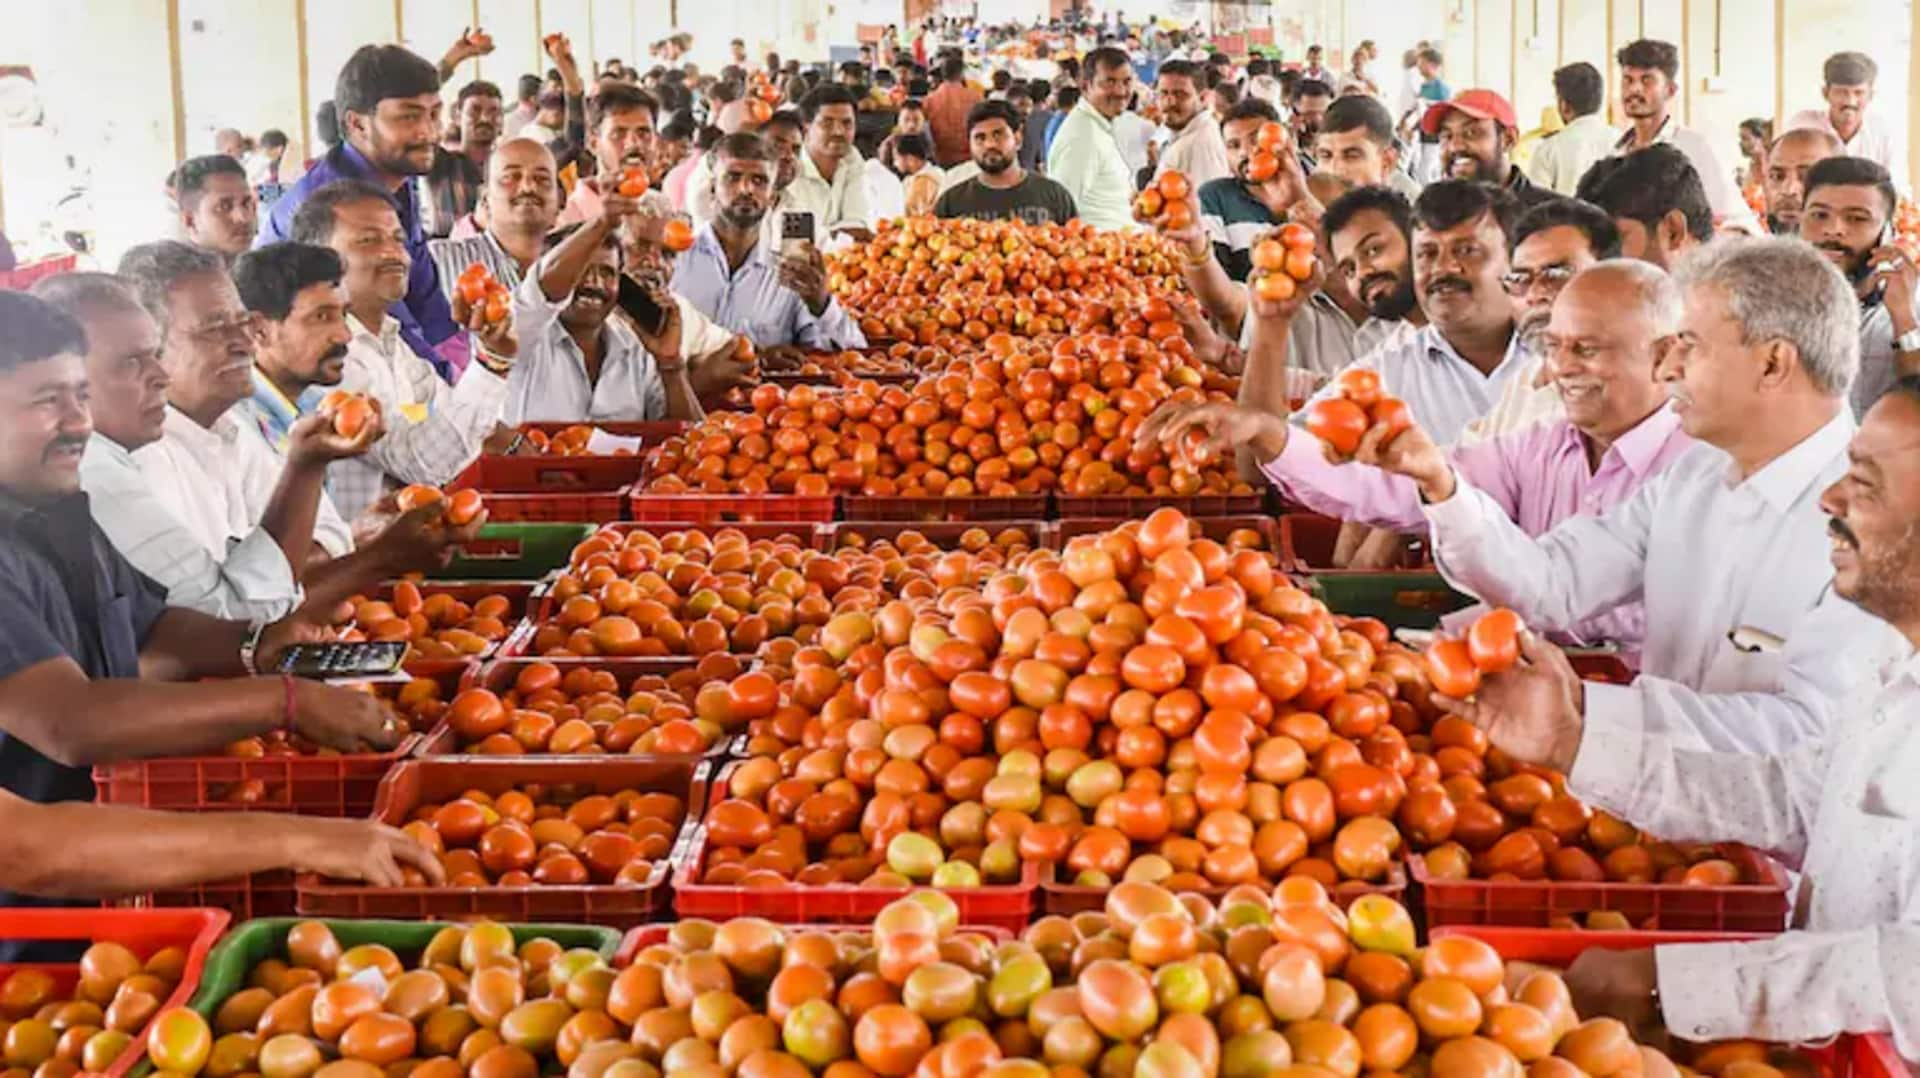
{"points": [[251, 648], [1195, 262], [286, 681]]}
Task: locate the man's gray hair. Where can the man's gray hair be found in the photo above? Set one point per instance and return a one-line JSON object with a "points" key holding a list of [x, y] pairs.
{"points": [[82, 293], [152, 270], [1780, 288], [1653, 290]]}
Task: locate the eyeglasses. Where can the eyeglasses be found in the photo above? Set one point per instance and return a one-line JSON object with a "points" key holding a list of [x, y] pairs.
{"points": [[239, 325], [1520, 282]]}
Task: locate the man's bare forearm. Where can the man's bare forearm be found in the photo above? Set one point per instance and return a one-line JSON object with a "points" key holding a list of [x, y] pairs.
{"points": [[294, 509], [79, 722], [186, 644], [84, 851]]}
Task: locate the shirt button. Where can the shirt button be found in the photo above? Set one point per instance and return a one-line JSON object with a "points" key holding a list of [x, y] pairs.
{"points": [[1699, 1031]]}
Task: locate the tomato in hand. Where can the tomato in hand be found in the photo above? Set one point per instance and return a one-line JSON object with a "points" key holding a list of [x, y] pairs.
{"points": [[1361, 385], [1395, 415], [1494, 640], [1338, 422], [1451, 668]]}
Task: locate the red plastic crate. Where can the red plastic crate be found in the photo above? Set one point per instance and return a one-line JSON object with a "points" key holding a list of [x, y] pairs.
{"points": [[1534, 903], [1214, 528], [982, 508], [1068, 899], [1136, 506], [1307, 541], [336, 786], [142, 931], [566, 489], [263, 894], [806, 533], [1849, 1056], [420, 781], [500, 674], [943, 534], [639, 939], [729, 508], [519, 594], [1008, 906]]}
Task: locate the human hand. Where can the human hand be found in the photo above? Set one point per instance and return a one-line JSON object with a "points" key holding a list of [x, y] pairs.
{"points": [[1619, 984], [1411, 452], [1191, 234], [807, 277], [1535, 711], [312, 441], [495, 334], [420, 540], [663, 344], [345, 719], [729, 365], [358, 850], [1214, 429], [1897, 272]]}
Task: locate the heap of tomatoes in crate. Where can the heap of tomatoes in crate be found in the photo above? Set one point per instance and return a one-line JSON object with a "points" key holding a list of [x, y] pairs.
{"points": [[935, 281], [1021, 417], [533, 707]]}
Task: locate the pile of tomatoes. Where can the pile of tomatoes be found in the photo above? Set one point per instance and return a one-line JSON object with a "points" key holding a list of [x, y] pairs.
{"points": [[954, 281], [474, 1004], [548, 836], [569, 442], [1025, 417], [437, 625], [87, 1025], [588, 710]]}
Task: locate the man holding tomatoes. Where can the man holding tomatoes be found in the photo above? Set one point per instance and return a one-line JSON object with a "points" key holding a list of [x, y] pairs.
{"points": [[1841, 807]]}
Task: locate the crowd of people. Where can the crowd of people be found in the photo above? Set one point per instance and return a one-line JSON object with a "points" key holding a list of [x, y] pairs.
{"points": [[1649, 413]]}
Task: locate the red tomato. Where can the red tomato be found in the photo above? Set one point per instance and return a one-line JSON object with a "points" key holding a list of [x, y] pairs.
{"points": [[1494, 640], [1338, 422], [1450, 667]]}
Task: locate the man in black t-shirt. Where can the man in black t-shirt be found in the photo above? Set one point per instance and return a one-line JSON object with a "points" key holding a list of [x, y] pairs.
{"points": [[1003, 190]]}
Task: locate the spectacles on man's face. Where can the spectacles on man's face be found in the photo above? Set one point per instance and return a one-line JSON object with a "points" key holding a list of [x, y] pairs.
{"points": [[1519, 282], [224, 326]]}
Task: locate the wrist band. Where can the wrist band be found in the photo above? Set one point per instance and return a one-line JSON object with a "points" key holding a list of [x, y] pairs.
{"points": [[286, 681], [250, 649]]}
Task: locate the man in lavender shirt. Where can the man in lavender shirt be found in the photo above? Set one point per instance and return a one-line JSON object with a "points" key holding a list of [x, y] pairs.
{"points": [[1608, 328]]}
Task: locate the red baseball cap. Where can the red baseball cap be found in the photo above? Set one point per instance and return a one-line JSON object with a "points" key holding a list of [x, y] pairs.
{"points": [[1480, 104]]}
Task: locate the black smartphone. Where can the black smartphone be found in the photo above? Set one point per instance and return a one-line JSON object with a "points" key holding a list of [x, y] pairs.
{"points": [[344, 661], [640, 305], [796, 227]]}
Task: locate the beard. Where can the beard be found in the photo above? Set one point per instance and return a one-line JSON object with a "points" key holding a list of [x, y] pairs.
{"points": [[1857, 264], [743, 216], [1392, 304], [993, 164]]}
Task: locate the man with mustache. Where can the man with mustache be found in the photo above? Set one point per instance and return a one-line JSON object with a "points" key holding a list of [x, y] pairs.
{"points": [[1649, 81], [457, 176], [1746, 650], [1785, 178], [1552, 242], [1086, 156], [218, 209], [520, 203], [1839, 808], [387, 103], [203, 506], [620, 122], [1656, 201], [1848, 79], [1193, 143], [1002, 190], [433, 430], [1608, 330], [741, 283], [96, 668], [1477, 130], [1849, 202], [831, 183]]}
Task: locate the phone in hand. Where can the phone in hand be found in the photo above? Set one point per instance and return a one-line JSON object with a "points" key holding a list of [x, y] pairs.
{"points": [[344, 661], [796, 233], [638, 302]]}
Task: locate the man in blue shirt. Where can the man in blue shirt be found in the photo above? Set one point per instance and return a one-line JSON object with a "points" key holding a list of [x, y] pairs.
{"points": [[388, 104], [778, 300]]}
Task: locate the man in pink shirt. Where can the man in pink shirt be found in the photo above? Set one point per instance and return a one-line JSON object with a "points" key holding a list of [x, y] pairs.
{"points": [[1608, 329]]}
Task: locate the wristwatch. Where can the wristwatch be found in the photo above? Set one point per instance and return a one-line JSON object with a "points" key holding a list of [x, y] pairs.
{"points": [[250, 649]]}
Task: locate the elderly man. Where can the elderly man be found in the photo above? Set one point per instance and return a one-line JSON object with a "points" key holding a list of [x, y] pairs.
{"points": [[1609, 327], [1785, 178], [1840, 807], [1746, 651]]}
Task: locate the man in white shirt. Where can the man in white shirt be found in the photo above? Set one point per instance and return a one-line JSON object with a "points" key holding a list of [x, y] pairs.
{"points": [[433, 430], [1841, 808], [1315, 69], [1085, 157], [1563, 157], [1747, 650], [1649, 81], [1194, 145], [1849, 79], [831, 183], [202, 505]]}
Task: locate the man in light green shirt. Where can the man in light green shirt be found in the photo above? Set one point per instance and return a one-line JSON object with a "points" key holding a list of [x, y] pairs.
{"points": [[1563, 157], [1086, 156]]}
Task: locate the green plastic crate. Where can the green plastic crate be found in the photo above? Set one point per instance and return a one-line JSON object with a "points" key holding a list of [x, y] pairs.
{"points": [[516, 552], [1403, 599], [245, 947]]}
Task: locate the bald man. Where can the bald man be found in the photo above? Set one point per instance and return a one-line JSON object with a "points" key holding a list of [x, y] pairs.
{"points": [[1609, 326], [735, 116], [1785, 180], [518, 206]]}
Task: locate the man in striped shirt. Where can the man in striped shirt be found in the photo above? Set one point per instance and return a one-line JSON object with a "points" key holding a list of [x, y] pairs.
{"points": [[520, 201], [1235, 210]]}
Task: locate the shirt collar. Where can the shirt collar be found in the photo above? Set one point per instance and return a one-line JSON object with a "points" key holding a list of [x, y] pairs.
{"points": [[1667, 128], [100, 445], [1085, 106], [706, 242], [1640, 447], [1432, 340], [1787, 476], [383, 336], [1196, 127]]}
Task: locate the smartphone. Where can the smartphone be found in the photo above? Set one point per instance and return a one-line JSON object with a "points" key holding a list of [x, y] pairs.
{"points": [[640, 306], [796, 228], [341, 661]]}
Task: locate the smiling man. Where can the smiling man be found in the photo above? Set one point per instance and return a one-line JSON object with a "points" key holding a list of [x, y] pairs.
{"points": [[1477, 131], [1847, 84], [1609, 327], [1849, 202]]}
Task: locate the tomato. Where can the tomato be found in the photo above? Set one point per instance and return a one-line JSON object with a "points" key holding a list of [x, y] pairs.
{"points": [[1361, 385], [1493, 642], [1451, 668], [1269, 256], [1392, 413], [1274, 287], [1174, 186], [1338, 422]]}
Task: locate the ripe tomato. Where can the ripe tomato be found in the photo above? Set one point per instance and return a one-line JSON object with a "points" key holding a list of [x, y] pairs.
{"points": [[1274, 287], [1338, 422], [1361, 385], [1494, 640], [1451, 668]]}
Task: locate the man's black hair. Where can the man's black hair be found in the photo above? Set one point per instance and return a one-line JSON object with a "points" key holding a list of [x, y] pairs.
{"points": [[1648, 184], [189, 181], [270, 278], [1451, 203], [1342, 210], [618, 97], [1603, 236], [1359, 112], [1252, 108], [313, 222], [529, 87], [1648, 54], [1852, 172], [1581, 86], [32, 329], [822, 96], [1309, 88], [272, 137], [476, 88], [993, 110], [376, 73]]}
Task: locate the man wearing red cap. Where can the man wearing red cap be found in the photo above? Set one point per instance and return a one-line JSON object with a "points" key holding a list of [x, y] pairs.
{"points": [[1476, 130]]}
